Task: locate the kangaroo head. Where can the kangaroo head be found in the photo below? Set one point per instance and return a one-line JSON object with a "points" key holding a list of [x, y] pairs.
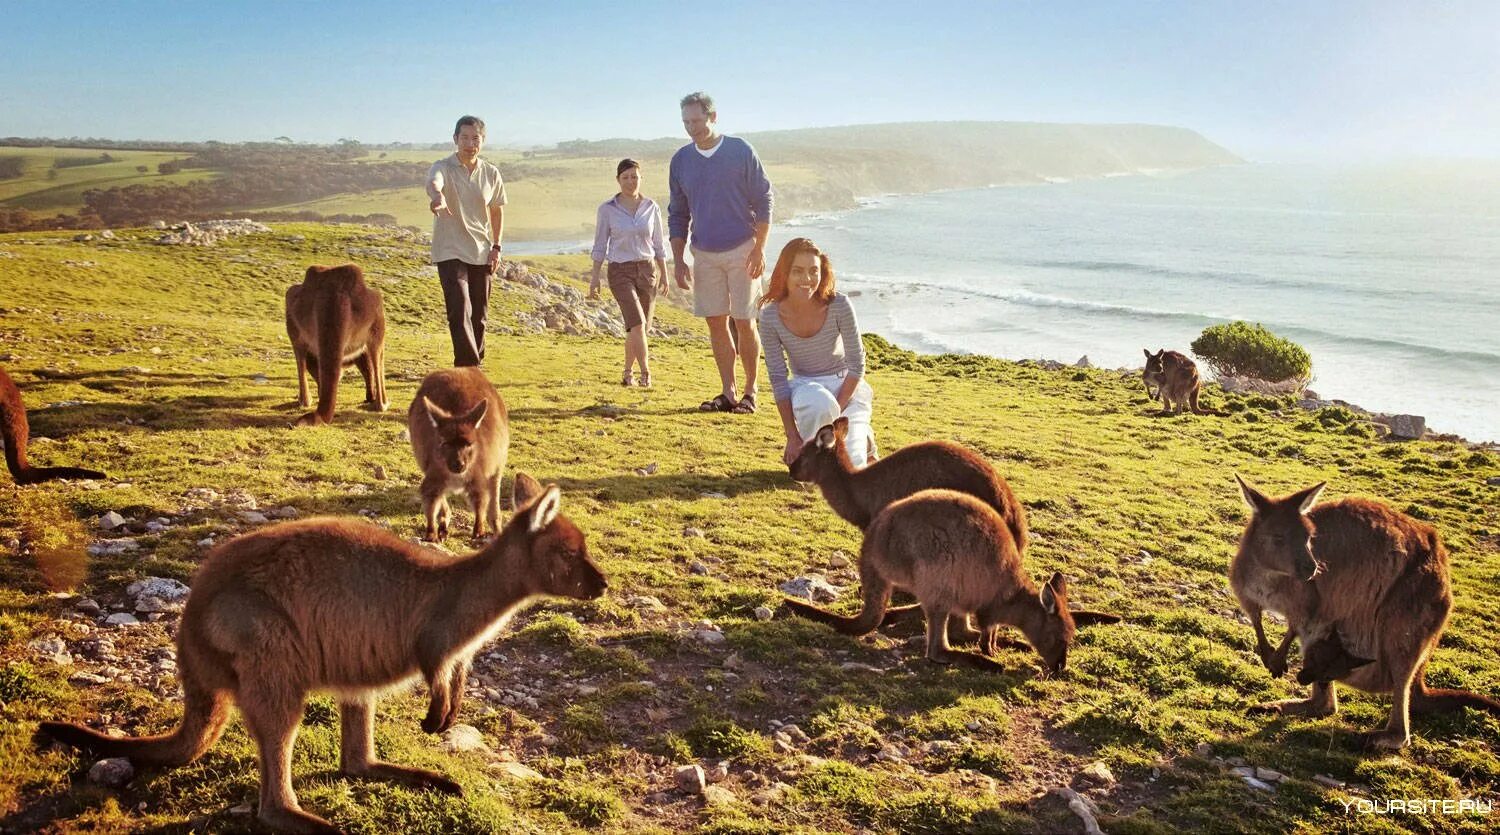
{"points": [[1328, 660], [1155, 363], [820, 457], [1053, 640], [1279, 537], [456, 433], [557, 555]]}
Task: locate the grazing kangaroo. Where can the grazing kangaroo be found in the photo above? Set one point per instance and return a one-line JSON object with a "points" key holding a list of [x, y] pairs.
{"points": [[343, 605], [334, 320], [15, 431], [958, 556], [1374, 577], [460, 433], [1176, 380], [858, 495]]}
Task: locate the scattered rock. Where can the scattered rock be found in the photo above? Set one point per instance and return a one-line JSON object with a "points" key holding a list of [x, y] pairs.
{"points": [[649, 469], [1493, 481], [150, 603], [253, 517], [112, 547], [1248, 774], [515, 770], [52, 648], [87, 606], [1407, 427], [1083, 362], [210, 233], [648, 603], [718, 772], [284, 512], [110, 521], [1204, 750], [709, 637], [121, 619], [840, 559], [461, 737], [379, 472], [718, 796], [812, 588], [1269, 775], [698, 568], [87, 679], [692, 533], [714, 495], [260, 379], [1330, 782], [1097, 773], [764, 613], [113, 772], [690, 779], [163, 587], [857, 667], [1083, 807]]}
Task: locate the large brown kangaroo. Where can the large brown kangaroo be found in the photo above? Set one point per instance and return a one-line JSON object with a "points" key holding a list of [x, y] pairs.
{"points": [[1176, 380], [334, 320], [15, 431], [343, 605], [1354, 568], [858, 495], [958, 556], [460, 433]]}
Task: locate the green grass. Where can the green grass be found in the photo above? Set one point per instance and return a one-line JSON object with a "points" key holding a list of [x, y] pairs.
{"points": [[622, 694], [34, 191]]}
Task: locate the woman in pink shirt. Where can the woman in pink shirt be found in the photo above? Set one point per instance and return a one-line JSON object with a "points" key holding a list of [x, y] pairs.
{"points": [[628, 235]]}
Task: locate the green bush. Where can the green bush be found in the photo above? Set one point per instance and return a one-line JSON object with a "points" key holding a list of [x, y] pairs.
{"points": [[1241, 349]]}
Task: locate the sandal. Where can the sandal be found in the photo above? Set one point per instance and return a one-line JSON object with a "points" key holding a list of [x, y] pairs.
{"points": [[746, 406], [720, 403], [628, 379], [645, 381]]}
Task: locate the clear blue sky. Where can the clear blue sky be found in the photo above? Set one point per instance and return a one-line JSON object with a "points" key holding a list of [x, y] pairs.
{"points": [[1271, 79]]}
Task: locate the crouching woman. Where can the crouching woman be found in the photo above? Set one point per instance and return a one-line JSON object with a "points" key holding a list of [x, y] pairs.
{"points": [[813, 354]]}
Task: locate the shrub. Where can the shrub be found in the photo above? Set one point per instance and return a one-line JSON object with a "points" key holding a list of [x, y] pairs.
{"points": [[1240, 349]]}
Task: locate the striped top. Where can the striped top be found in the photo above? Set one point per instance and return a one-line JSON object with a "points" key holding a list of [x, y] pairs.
{"points": [[834, 349], [621, 235]]}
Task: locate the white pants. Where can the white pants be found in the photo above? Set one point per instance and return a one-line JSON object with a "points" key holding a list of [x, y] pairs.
{"points": [[815, 405]]}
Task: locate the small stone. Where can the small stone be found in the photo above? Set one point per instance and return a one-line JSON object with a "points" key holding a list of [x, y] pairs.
{"points": [[87, 679], [709, 637], [1258, 785], [718, 772], [1330, 782], [253, 517], [692, 533], [515, 770], [121, 619], [152, 603], [110, 521], [718, 796], [1097, 773], [379, 472], [714, 495], [1410, 427], [1493, 481], [734, 662], [840, 559], [1269, 775], [857, 667], [1204, 750], [461, 737], [811, 588], [260, 379], [404, 435], [112, 547], [206, 542], [87, 606], [113, 772], [284, 512], [1083, 362], [163, 587], [698, 568], [642, 601], [690, 779], [974, 725], [649, 469], [795, 734], [764, 613]]}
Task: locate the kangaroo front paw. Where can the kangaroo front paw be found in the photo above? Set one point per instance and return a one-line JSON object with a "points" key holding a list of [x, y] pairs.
{"points": [[1384, 741]]}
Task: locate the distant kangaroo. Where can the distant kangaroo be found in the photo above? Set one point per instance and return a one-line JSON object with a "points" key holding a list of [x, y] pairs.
{"points": [[345, 606], [1176, 380], [1375, 578], [15, 431], [460, 433], [334, 320], [958, 556]]}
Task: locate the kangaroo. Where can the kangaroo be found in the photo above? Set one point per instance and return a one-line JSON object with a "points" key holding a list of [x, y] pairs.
{"points": [[343, 605], [460, 433], [958, 556], [859, 495], [1176, 380], [1326, 659], [15, 431], [334, 320], [1381, 583]]}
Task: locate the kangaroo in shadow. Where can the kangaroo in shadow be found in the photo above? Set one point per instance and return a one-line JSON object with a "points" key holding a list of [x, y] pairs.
{"points": [[1374, 579], [460, 433], [957, 556], [858, 495], [1176, 380], [345, 606], [335, 320], [16, 432]]}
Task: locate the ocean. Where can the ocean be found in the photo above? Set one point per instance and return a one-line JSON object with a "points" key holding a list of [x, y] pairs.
{"points": [[1389, 276]]}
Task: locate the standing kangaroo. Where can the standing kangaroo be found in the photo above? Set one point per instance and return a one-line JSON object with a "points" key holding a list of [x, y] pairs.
{"points": [[15, 431], [460, 433], [859, 495], [343, 605], [1373, 579], [1176, 380], [958, 556], [334, 320]]}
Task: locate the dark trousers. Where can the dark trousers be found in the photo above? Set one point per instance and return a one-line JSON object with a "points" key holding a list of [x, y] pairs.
{"points": [[466, 296]]}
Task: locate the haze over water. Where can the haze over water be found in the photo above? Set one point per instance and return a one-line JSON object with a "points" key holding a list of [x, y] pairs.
{"points": [[1389, 277]]}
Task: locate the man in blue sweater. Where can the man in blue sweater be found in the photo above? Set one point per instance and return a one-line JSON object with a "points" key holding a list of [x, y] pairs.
{"points": [[721, 195]]}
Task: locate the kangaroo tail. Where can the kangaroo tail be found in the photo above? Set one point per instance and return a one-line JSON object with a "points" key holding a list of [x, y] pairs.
{"points": [[36, 475], [1199, 410], [1425, 700], [202, 721]]}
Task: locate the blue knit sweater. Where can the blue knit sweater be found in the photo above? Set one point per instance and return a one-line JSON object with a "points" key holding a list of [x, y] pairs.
{"points": [[721, 197]]}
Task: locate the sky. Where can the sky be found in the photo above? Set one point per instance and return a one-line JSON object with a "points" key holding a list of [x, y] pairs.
{"points": [[1272, 80]]}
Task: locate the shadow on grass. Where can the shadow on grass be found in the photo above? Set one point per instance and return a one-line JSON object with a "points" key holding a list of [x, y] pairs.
{"points": [[688, 486], [196, 412]]}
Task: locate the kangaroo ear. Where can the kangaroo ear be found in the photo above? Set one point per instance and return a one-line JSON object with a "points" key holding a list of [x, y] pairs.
{"points": [[1084, 617], [1306, 498], [1254, 498], [1056, 587], [476, 414], [524, 490], [1049, 600], [545, 509], [435, 412], [841, 428], [826, 438], [1147, 352]]}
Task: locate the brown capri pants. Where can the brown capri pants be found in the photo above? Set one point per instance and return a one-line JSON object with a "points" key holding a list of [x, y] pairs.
{"points": [[634, 287]]}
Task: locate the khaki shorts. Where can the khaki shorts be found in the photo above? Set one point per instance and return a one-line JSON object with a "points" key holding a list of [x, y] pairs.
{"points": [[721, 284]]}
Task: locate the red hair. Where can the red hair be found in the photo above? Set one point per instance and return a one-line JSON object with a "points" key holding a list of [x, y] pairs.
{"points": [[797, 246]]}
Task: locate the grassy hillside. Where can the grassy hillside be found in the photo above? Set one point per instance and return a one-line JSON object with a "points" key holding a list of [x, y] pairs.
{"points": [[38, 190], [169, 368]]}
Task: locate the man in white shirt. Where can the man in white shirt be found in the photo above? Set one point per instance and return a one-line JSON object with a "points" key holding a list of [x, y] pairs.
{"points": [[467, 200]]}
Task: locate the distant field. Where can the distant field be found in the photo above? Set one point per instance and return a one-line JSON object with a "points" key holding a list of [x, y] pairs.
{"points": [[33, 191]]}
